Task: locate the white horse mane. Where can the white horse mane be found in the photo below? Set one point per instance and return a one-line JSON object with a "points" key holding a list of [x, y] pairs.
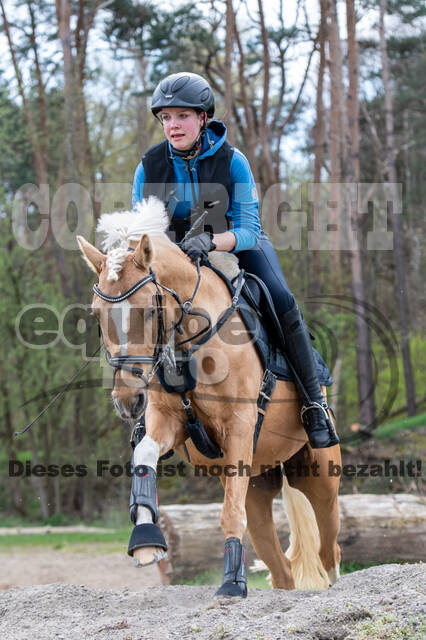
{"points": [[122, 227]]}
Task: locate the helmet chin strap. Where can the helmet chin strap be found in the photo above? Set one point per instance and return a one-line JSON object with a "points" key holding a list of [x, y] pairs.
{"points": [[188, 154]]}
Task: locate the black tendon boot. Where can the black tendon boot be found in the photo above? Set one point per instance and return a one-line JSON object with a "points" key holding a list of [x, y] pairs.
{"points": [[298, 347], [234, 582]]}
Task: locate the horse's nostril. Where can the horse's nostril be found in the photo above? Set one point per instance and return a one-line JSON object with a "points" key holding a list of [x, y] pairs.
{"points": [[139, 404]]}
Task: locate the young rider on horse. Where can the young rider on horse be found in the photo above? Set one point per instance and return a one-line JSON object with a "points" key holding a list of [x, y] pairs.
{"points": [[192, 162]]}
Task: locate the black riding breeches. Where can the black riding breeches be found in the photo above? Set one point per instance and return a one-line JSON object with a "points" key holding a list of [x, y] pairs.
{"points": [[263, 262]]}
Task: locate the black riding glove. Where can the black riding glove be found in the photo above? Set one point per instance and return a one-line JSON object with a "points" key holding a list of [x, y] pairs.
{"points": [[199, 246]]}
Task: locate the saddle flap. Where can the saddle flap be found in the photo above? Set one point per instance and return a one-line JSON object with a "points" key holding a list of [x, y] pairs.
{"points": [[258, 297], [251, 293]]}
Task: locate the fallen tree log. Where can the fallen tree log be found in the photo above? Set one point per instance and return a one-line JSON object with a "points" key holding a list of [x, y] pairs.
{"points": [[374, 528]]}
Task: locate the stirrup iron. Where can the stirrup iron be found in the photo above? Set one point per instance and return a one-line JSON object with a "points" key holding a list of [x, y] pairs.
{"points": [[316, 435]]}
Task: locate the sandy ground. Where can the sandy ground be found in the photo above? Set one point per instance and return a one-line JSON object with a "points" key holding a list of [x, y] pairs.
{"points": [[385, 602], [98, 571]]}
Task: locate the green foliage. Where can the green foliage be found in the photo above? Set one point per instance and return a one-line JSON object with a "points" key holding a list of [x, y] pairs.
{"points": [[33, 377], [259, 579], [128, 22], [351, 567], [15, 150], [181, 39], [408, 10], [390, 627], [171, 40], [58, 520], [391, 378], [256, 580], [55, 127], [407, 56], [96, 542], [391, 429]]}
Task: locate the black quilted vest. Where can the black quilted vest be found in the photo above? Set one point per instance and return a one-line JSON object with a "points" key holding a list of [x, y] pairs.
{"points": [[214, 184]]}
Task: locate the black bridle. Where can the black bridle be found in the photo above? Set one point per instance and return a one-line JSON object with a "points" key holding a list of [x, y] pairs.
{"points": [[164, 350]]}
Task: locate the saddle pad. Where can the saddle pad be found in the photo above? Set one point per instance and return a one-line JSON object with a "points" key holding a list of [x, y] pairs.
{"points": [[272, 357]]}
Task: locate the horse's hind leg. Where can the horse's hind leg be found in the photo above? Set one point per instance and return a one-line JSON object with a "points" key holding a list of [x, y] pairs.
{"points": [[308, 471], [261, 528]]}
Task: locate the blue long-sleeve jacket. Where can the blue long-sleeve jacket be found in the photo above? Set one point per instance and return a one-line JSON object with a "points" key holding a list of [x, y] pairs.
{"points": [[243, 206]]}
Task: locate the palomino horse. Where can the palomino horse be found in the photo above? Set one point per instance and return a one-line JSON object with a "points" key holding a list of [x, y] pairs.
{"points": [[145, 271]]}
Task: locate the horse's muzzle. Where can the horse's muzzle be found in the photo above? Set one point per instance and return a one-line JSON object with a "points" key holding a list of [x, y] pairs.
{"points": [[130, 408]]}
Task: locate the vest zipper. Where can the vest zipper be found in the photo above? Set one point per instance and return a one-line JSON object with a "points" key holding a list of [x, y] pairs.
{"points": [[194, 197]]}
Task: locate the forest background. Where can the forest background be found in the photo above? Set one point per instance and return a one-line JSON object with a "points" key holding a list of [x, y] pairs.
{"points": [[326, 99]]}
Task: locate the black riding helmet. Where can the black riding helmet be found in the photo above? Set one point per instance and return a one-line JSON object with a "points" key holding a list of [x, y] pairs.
{"points": [[183, 90]]}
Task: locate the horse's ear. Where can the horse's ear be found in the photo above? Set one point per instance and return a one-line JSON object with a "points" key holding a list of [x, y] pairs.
{"points": [[94, 258], [143, 252]]}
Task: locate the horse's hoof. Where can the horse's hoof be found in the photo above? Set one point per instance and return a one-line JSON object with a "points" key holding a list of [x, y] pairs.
{"points": [[146, 535], [144, 556], [232, 590]]}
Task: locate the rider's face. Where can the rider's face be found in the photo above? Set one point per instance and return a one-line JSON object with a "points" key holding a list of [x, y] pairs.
{"points": [[181, 126]]}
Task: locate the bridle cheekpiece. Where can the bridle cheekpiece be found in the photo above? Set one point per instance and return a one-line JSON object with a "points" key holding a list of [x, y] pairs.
{"points": [[163, 353]]}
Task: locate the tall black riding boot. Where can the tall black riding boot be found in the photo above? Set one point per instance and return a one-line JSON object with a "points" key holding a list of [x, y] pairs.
{"points": [[298, 348]]}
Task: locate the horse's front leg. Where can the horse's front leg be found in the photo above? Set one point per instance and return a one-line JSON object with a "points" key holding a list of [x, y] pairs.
{"points": [[235, 479], [147, 543]]}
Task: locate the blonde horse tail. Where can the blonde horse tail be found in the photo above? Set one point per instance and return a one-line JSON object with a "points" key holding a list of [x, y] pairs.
{"points": [[303, 551]]}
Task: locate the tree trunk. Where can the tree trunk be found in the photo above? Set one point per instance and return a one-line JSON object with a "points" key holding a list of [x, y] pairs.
{"points": [[267, 165], [401, 286], [143, 112], [38, 140], [248, 113], [63, 13], [319, 134], [228, 68], [77, 143], [373, 528], [365, 374], [336, 104], [38, 482], [42, 106], [36, 148], [8, 437]]}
